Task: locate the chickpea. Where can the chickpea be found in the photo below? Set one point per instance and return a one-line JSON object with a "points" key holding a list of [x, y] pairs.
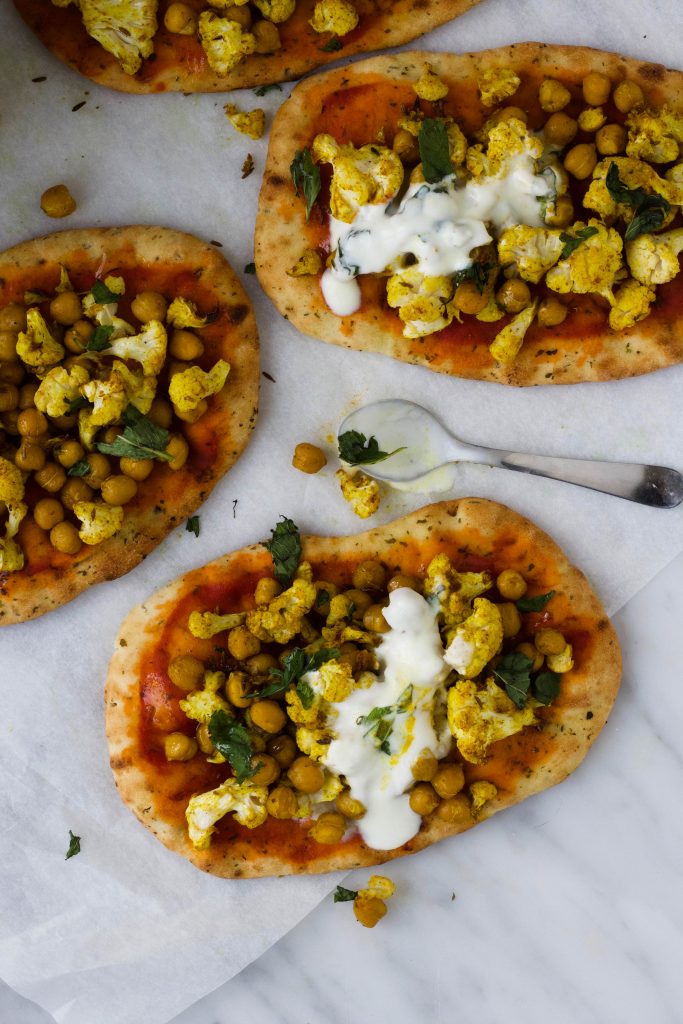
{"points": [[8, 346], [186, 672], [27, 394], [267, 715], [511, 584], [374, 620], [308, 458], [563, 213], [581, 160], [179, 747], [610, 140], [551, 313], [369, 575], [560, 129], [258, 743], [596, 88], [178, 449], [242, 644], [68, 453], [513, 295], [161, 413], [328, 591], [469, 299], [137, 469], [405, 146], [185, 345], [549, 641], [181, 20], [369, 911], [510, 113], [32, 423], [361, 601], [57, 201], [51, 477], [119, 490], [282, 803], [553, 96], [64, 423], [423, 799], [11, 373], [48, 512], [64, 537], [260, 664], [29, 457], [237, 690], [529, 651], [75, 490], [267, 770], [192, 415], [449, 780], [400, 579], [9, 421], [77, 337], [100, 469], [283, 749], [204, 740], [455, 810], [328, 829], [628, 95], [240, 14], [266, 37], [65, 308], [9, 397], [305, 775], [426, 767], [266, 590], [348, 806], [512, 620], [13, 317]]}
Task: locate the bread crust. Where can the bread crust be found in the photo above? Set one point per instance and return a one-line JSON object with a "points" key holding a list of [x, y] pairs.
{"points": [[468, 529], [49, 578], [583, 348]]}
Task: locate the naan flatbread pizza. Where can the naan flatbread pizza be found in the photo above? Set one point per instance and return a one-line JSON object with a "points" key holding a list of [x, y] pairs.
{"points": [[129, 376], [324, 703], [512, 215]]}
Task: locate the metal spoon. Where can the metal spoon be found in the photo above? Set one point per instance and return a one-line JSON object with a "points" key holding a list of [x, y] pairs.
{"points": [[428, 447]]}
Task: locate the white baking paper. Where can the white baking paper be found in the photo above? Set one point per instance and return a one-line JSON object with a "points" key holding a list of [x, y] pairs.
{"points": [[128, 932]]}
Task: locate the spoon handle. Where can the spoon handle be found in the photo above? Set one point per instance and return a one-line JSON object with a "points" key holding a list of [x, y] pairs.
{"points": [[656, 486]]}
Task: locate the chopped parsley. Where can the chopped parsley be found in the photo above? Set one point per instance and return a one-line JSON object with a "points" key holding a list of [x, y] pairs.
{"points": [[342, 895], [285, 550], [295, 665], [231, 739], [306, 177], [572, 242], [102, 294], [380, 720], [534, 604], [80, 468], [74, 845], [100, 338], [141, 439], [358, 450], [434, 150], [192, 525], [332, 45], [649, 211]]}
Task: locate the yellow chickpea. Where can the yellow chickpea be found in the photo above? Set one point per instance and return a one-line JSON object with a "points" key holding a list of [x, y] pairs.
{"points": [[137, 469], [610, 140], [425, 768], [13, 317], [469, 299], [161, 413], [514, 295], [65, 308], [27, 394], [64, 537], [305, 775], [29, 457], [374, 620], [509, 114], [266, 37], [511, 584], [369, 911], [267, 770], [551, 313], [596, 88], [348, 806], [553, 96], [282, 803], [258, 743], [242, 644], [48, 512], [266, 590], [179, 747], [455, 810], [580, 161], [51, 477], [560, 129], [119, 490], [9, 421], [32, 423], [369, 575], [512, 620], [240, 14], [192, 415], [77, 337], [449, 780], [529, 651], [75, 490], [549, 641], [68, 453], [8, 346], [308, 458], [328, 829], [283, 749], [260, 664], [12, 373], [204, 740], [401, 579], [57, 201], [100, 468], [268, 716], [186, 672], [405, 146], [185, 345], [238, 690], [148, 306], [628, 95], [179, 450], [423, 799], [360, 600], [563, 213], [9, 397]]}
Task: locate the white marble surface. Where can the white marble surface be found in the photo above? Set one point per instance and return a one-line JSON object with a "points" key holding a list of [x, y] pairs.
{"points": [[568, 908]]}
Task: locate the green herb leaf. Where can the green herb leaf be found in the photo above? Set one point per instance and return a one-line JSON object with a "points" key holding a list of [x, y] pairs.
{"points": [[231, 739], [546, 687], [572, 242], [295, 665], [342, 895], [80, 468], [322, 597], [381, 719], [285, 549], [263, 89], [249, 268], [374, 715], [141, 439], [649, 211], [74, 845], [434, 150], [478, 272], [305, 694], [513, 670], [534, 604], [78, 403], [332, 45], [102, 294], [358, 450], [192, 525], [306, 177], [621, 193], [100, 338]]}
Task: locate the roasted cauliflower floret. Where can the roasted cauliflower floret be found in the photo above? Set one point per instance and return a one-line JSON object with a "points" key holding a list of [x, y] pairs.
{"points": [[476, 640], [311, 717], [653, 259], [99, 521], [276, 10], [533, 251], [225, 42], [183, 313], [593, 266], [59, 388], [506, 140], [633, 174], [481, 793], [140, 389], [337, 16], [125, 28], [379, 887], [632, 302], [453, 591], [312, 742], [11, 499], [35, 346], [562, 662], [654, 135], [497, 84], [246, 800], [422, 301], [509, 340], [361, 492], [187, 388], [250, 122], [430, 87], [371, 174], [281, 619], [477, 718], [112, 396], [148, 348], [333, 680], [591, 119], [87, 430], [199, 705], [308, 264], [205, 625]]}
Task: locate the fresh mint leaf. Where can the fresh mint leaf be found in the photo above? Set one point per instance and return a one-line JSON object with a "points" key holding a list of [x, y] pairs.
{"points": [[74, 845], [546, 687], [534, 604], [249, 268], [231, 739], [306, 177], [332, 46], [100, 338], [102, 294], [192, 525], [141, 439], [263, 89], [342, 895], [572, 242], [285, 550], [295, 665], [434, 150], [358, 450], [649, 211], [621, 193], [305, 694], [80, 468], [513, 670]]}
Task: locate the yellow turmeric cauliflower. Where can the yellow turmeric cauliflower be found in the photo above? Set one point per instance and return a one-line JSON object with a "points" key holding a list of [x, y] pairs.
{"points": [[533, 251], [453, 591], [183, 313], [430, 87], [379, 887], [246, 800], [506, 140], [225, 43], [11, 498], [562, 662], [281, 619], [140, 389], [422, 302], [309, 263], [654, 135], [592, 266], [109, 399], [337, 16], [187, 388], [99, 521], [371, 174], [361, 492], [125, 28], [148, 348], [476, 640], [250, 122], [497, 84], [276, 10], [653, 259], [35, 346], [333, 681], [480, 793], [633, 174], [632, 302], [312, 742], [87, 430], [477, 718], [591, 119], [205, 625], [509, 340], [199, 705], [59, 388]]}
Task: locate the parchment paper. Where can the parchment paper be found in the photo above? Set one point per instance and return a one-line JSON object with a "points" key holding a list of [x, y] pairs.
{"points": [[128, 932]]}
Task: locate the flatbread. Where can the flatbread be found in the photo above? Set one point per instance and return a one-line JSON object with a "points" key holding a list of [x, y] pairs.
{"points": [[174, 263], [476, 534], [179, 63], [357, 104]]}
